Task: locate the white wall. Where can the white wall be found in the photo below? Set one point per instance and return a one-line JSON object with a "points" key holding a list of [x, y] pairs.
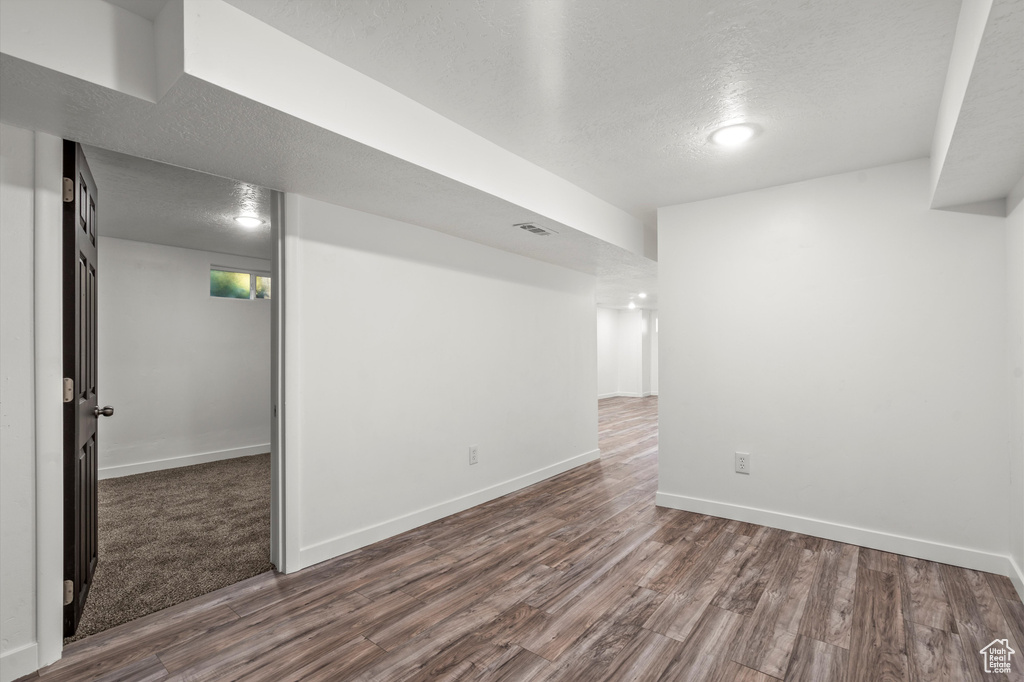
{"points": [[406, 346], [607, 352], [853, 341], [625, 343], [17, 403], [646, 327], [1015, 347], [653, 330], [630, 352], [188, 374]]}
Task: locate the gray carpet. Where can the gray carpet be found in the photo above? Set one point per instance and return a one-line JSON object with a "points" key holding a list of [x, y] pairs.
{"points": [[168, 536]]}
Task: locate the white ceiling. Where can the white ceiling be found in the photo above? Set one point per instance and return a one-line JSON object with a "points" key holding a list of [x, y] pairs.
{"points": [[616, 97], [620, 97], [154, 202], [201, 126]]}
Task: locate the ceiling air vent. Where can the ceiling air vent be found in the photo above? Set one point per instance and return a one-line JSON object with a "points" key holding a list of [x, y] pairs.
{"points": [[535, 229]]}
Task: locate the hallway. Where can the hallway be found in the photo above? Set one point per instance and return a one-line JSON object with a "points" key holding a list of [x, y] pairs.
{"points": [[579, 577]]}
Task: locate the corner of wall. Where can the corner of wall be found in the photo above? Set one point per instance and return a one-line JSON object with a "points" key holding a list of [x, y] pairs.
{"points": [[183, 461], [815, 474], [1017, 577], [1015, 197], [967, 40], [1014, 378], [169, 43]]}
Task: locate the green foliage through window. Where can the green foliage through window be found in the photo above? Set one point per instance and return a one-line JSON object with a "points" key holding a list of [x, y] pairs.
{"points": [[262, 288], [234, 284]]}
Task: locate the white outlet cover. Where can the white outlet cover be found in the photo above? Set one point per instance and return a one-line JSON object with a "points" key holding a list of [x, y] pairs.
{"points": [[742, 457]]}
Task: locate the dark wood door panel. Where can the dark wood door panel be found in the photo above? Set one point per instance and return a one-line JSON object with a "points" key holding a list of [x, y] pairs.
{"points": [[80, 450]]}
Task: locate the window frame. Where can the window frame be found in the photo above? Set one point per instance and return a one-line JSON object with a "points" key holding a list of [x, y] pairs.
{"points": [[253, 274]]}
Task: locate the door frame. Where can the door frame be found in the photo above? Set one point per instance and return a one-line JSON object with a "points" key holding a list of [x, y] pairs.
{"points": [[279, 554], [49, 406]]}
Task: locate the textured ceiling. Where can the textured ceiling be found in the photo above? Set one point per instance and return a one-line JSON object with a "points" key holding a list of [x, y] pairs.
{"points": [[616, 97], [986, 155], [620, 97], [162, 204], [200, 126]]}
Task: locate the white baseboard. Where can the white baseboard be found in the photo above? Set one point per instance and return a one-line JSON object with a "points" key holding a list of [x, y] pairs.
{"points": [[621, 394], [19, 662], [602, 396], [342, 544], [886, 542], [1017, 577], [175, 462]]}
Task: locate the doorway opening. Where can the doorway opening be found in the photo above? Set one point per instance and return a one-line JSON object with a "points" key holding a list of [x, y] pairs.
{"points": [[184, 470], [627, 352], [627, 371]]}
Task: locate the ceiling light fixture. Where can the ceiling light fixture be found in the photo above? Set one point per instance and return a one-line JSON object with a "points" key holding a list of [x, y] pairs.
{"points": [[642, 294], [248, 221], [734, 135], [631, 305]]}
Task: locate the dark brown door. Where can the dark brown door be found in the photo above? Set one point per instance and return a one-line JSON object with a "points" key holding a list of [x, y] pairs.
{"points": [[80, 406]]}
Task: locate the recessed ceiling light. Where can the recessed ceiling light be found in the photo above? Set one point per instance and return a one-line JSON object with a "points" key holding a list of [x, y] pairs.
{"points": [[632, 305], [248, 221], [734, 135], [642, 295]]}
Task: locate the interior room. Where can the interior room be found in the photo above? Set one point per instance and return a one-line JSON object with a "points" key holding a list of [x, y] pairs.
{"points": [[187, 368], [199, 363], [627, 349], [800, 456]]}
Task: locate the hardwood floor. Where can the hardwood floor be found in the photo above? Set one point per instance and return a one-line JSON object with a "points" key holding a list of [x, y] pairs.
{"points": [[580, 578]]}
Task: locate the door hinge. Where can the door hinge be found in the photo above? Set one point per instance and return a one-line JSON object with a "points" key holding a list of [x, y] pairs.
{"points": [[69, 591], [69, 190], [69, 390]]}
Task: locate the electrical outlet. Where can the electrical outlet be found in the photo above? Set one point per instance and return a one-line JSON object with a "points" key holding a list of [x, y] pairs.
{"points": [[742, 463], [474, 454]]}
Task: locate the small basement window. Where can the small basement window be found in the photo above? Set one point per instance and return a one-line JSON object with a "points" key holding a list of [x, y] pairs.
{"points": [[239, 284]]}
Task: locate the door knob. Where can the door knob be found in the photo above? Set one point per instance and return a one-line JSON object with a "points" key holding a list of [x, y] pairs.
{"points": [[107, 411]]}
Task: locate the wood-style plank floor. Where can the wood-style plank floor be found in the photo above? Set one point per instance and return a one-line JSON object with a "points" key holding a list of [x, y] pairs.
{"points": [[581, 578]]}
